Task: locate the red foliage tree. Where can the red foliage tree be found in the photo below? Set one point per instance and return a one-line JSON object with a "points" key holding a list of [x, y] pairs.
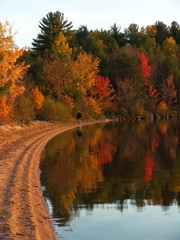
{"points": [[146, 71], [145, 68], [103, 91]]}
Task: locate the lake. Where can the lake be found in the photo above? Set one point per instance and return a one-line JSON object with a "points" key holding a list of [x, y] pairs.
{"points": [[112, 181]]}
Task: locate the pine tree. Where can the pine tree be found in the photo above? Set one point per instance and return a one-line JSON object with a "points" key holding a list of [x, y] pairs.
{"points": [[51, 26], [175, 31], [118, 35], [162, 32]]}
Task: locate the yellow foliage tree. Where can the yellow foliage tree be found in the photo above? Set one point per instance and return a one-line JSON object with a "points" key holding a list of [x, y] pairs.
{"points": [[61, 47], [37, 98], [150, 31], [93, 105], [170, 47], [85, 70]]}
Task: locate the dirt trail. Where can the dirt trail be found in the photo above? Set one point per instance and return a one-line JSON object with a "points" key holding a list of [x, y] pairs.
{"points": [[23, 211]]}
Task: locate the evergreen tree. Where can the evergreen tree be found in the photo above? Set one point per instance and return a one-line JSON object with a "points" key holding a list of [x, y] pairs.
{"points": [[175, 31], [118, 35], [162, 32], [134, 36], [81, 35], [51, 26]]}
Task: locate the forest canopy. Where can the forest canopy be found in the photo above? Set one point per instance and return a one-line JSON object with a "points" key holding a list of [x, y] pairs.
{"points": [[112, 73]]}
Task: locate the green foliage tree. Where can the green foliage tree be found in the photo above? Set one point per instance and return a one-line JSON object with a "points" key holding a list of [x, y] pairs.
{"points": [[81, 35], [134, 36], [95, 44], [162, 32], [118, 35], [175, 31], [51, 26], [54, 111]]}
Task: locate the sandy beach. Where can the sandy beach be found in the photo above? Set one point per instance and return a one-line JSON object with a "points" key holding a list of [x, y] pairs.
{"points": [[23, 211]]}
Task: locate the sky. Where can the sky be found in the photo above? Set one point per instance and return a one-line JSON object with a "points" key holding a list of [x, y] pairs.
{"points": [[25, 15]]}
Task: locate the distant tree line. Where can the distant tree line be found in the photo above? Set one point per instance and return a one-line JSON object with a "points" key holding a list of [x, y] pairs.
{"points": [[130, 73]]}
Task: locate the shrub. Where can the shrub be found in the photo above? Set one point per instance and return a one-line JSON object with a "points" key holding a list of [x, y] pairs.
{"points": [[54, 111], [23, 109], [139, 110]]}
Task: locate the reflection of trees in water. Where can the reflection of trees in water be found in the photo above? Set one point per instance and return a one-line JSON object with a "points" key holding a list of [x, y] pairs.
{"points": [[111, 164]]}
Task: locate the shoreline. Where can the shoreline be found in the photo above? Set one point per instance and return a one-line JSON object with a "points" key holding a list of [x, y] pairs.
{"points": [[23, 211]]}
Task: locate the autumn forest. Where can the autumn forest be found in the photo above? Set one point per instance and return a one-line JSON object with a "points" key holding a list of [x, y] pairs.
{"points": [[132, 73]]}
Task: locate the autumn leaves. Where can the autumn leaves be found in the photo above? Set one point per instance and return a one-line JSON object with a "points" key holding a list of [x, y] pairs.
{"points": [[130, 74], [76, 82]]}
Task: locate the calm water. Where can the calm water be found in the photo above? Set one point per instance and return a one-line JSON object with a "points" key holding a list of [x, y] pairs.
{"points": [[114, 181]]}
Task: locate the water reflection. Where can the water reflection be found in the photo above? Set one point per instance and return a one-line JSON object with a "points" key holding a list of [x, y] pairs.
{"points": [[79, 132], [136, 163]]}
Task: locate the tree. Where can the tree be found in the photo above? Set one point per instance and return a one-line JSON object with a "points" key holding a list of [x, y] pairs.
{"points": [[37, 98], [134, 36], [81, 35], [118, 35], [126, 94], [11, 72], [152, 96], [145, 68], [169, 47], [61, 48], [175, 31], [23, 109], [169, 94], [60, 78], [85, 69], [5, 109], [150, 31], [149, 46], [162, 32], [51, 26], [95, 45], [103, 91]]}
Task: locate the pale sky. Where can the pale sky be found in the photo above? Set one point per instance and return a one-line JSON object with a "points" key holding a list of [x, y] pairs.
{"points": [[95, 14]]}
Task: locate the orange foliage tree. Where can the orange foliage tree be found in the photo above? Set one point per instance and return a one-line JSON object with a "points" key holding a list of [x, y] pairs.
{"points": [[4, 108], [37, 98], [169, 93], [11, 72], [60, 77], [145, 68]]}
